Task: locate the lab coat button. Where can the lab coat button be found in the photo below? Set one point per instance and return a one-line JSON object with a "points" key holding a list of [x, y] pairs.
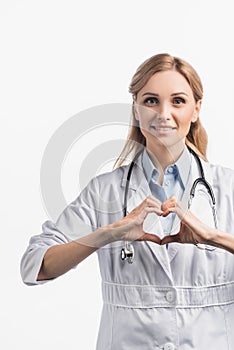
{"points": [[169, 346], [170, 296]]}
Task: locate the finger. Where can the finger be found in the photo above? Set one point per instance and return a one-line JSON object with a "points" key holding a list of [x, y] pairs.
{"points": [[157, 211], [141, 216], [151, 201], [170, 202], [174, 206], [150, 237], [169, 211], [170, 239], [154, 201], [168, 205]]}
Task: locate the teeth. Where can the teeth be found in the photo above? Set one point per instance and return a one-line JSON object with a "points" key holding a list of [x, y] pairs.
{"points": [[162, 129]]}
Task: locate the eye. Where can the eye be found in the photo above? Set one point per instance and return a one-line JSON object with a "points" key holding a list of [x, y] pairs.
{"points": [[178, 100], [151, 101]]}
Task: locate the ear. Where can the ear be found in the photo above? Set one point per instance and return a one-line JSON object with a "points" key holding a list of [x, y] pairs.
{"points": [[196, 111]]}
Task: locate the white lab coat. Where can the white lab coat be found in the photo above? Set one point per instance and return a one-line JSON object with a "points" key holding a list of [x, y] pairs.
{"points": [[180, 298]]}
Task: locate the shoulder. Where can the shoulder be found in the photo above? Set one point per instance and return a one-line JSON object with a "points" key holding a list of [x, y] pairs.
{"points": [[222, 176], [114, 174], [221, 172], [110, 178]]}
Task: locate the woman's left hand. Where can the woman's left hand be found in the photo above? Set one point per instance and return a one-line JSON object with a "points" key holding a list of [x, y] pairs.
{"points": [[192, 230]]}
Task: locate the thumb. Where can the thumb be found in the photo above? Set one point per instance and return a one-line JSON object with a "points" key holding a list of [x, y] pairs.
{"points": [[170, 239], [150, 237]]}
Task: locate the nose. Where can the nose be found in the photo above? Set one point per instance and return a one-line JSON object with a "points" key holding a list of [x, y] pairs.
{"points": [[163, 112]]}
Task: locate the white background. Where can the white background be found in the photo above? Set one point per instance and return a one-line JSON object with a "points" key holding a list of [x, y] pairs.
{"points": [[61, 57]]}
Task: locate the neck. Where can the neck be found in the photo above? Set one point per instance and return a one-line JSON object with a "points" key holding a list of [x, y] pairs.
{"points": [[162, 155]]}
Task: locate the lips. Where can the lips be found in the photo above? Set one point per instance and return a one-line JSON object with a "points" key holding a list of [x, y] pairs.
{"points": [[162, 128]]}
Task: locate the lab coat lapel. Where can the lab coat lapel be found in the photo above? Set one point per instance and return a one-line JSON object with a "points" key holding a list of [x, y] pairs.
{"points": [[138, 191]]}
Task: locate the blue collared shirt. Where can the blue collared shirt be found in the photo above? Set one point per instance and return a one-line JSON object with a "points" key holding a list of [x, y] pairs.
{"points": [[174, 182]]}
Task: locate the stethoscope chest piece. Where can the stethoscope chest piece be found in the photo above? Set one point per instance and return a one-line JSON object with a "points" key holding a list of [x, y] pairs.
{"points": [[127, 253]]}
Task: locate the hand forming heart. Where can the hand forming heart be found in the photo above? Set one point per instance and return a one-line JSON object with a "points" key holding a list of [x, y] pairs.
{"points": [[192, 230]]}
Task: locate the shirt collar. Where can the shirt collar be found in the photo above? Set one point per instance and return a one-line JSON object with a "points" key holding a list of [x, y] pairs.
{"points": [[148, 167], [183, 166]]}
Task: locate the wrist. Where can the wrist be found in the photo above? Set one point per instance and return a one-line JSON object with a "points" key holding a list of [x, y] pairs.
{"points": [[211, 235], [98, 238], [220, 239], [217, 237], [109, 233]]}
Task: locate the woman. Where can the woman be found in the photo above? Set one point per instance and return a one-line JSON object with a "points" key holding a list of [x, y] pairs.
{"points": [[173, 295]]}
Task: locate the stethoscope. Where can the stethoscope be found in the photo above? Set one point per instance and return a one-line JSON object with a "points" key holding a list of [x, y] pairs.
{"points": [[127, 253]]}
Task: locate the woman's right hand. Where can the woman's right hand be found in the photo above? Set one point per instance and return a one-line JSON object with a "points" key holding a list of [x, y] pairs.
{"points": [[130, 228]]}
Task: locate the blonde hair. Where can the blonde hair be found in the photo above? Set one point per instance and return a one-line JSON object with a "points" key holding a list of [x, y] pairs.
{"points": [[197, 137]]}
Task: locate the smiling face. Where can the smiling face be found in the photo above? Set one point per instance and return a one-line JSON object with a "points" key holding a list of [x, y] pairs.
{"points": [[165, 108]]}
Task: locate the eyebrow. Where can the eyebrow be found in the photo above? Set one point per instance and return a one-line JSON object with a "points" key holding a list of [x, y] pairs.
{"points": [[174, 94]]}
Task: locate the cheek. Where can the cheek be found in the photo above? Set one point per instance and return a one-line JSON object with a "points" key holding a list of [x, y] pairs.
{"points": [[144, 114], [186, 123], [186, 119], [143, 121], [144, 125], [183, 125]]}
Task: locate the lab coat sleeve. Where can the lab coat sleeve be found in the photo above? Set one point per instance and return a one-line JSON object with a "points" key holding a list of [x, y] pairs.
{"points": [[78, 219]]}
